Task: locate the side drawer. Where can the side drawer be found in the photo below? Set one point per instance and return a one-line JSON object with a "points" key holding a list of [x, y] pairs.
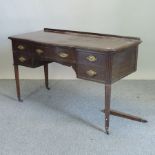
{"points": [[23, 59], [21, 46], [90, 58], [92, 73]]}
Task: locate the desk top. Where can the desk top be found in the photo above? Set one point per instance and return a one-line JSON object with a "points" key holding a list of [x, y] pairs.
{"points": [[76, 39]]}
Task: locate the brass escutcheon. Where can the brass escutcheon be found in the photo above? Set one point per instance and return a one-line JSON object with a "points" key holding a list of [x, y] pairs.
{"points": [[39, 51], [22, 59], [91, 73], [91, 58], [21, 47], [63, 55]]}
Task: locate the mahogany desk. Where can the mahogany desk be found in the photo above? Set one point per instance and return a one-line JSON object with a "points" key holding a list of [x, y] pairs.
{"points": [[97, 57]]}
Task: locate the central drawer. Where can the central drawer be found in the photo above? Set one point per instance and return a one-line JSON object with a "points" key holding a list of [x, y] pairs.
{"points": [[58, 54], [64, 54]]}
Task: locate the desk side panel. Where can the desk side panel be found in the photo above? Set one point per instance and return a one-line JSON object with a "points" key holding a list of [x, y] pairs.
{"points": [[124, 63]]}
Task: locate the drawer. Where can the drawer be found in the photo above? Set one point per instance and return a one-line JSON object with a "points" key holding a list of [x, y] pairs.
{"points": [[64, 54], [90, 58], [40, 52], [29, 60], [92, 73], [59, 54], [22, 58], [21, 46]]}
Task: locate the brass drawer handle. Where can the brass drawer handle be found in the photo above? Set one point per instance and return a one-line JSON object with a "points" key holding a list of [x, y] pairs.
{"points": [[91, 73], [22, 59], [39, 51], [21, 47], [63, 55], [91, 58]]}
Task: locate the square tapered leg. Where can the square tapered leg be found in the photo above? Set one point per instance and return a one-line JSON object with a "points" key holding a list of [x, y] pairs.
{"points": [[16, 70], [107, 106], [46, 76]]}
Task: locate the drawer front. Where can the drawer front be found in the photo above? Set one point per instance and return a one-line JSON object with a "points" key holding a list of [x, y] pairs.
{"points": [[21, 46], [92, 73], [64, 54], [22, 58], [59, 54], [90, 58], [40, 52]]}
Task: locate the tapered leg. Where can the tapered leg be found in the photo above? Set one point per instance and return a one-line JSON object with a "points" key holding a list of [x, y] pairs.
{"points": [[17, 82], [46, 75], [107, 106]]}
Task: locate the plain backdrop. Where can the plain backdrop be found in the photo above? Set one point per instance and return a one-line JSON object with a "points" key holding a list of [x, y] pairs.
{"points": [[120, 17]]}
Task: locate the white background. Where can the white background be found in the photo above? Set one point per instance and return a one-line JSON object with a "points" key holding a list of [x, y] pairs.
{"points": [[121, 17]]}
